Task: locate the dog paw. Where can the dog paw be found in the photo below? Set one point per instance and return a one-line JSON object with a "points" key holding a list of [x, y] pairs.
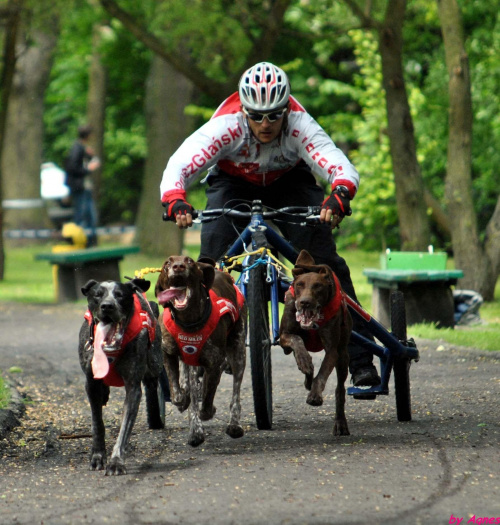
{"points": [[207, 413], [116, 467], [340, 428], [97, 461], [196, 439], [235, 431], [315, 400], [181, 401]]}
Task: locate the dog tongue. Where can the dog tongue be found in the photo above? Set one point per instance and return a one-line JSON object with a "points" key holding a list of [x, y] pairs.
{"points": [[166, 296], [100, 364]]}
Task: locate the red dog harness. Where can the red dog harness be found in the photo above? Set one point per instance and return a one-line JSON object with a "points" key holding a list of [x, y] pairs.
{"points": [[140, 320], [191, 343], [311, 338]]}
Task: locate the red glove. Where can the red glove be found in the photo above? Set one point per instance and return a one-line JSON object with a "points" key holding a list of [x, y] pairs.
{"points": [[339, 202], [176, 204], [178, 207]]}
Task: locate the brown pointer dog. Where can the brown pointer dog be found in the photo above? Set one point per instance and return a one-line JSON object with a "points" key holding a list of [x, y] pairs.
{"points": [[203, 325], [315, 318]]}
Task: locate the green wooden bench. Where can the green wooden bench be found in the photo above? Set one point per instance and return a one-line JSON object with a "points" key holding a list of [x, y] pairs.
{"points": [[425, 282], [74, 268]]}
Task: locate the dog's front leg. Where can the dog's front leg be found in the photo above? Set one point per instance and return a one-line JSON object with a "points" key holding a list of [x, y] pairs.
{"points": [[133, 395], [196, 432], [96, 395], [302, 356], [237, 362], [340, 427], [315, 397], [211, 380], [180, 396]]}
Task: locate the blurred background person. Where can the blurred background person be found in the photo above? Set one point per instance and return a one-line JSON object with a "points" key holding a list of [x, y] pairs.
{"points": [[80, 163]]}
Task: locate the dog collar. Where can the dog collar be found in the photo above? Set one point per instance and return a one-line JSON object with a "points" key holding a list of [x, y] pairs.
{"points": [[197, 325]]}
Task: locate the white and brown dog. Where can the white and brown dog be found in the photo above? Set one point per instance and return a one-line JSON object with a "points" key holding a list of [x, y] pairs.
{"points": [[203, 331], [316, 318]]}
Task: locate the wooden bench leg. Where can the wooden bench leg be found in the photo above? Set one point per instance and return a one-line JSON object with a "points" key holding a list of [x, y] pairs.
{"points": [[66, 290], [381, 305]]}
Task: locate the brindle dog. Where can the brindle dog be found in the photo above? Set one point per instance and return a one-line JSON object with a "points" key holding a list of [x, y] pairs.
{"points": [[315, 318]]}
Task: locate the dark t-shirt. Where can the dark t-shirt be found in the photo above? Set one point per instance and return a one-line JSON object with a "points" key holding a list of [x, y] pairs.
{"points": [[76, 167]]}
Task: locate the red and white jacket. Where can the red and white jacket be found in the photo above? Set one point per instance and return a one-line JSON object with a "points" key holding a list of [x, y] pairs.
{"points": [[226, 140]]}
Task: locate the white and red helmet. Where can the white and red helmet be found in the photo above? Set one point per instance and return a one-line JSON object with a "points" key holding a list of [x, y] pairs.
{"points": [[264, 87]]}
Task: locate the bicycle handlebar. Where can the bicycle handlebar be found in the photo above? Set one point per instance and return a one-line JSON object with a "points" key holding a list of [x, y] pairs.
{"points": [[288, 214]]}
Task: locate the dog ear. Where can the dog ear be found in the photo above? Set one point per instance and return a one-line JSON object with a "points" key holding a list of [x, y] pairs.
{"points": [[141, 284], [303, 264], [305, 259], [208, 274], [85, 289], [326, 274]]}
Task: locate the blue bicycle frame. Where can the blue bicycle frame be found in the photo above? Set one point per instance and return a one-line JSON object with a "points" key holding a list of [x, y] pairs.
{"points": [[392, 346]]}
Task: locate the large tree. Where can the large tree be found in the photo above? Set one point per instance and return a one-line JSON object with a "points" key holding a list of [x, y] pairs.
{"points": [[479, 260], [11, 20], [167, 94], [23, 137], [412, 210]]}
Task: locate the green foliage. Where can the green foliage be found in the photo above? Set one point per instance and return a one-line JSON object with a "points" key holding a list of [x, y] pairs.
{"points": [[374, 219], [334, 71], [428, 80]]}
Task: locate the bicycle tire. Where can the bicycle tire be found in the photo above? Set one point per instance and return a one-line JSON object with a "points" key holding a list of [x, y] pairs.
{"points": [[260, 346], [401, 365]]}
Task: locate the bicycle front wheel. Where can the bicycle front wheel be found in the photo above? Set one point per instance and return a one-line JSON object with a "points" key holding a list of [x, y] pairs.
{"points": [[260, 346]]}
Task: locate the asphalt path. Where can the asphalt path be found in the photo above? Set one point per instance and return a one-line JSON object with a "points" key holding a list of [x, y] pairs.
{"points": [[442, 466]]}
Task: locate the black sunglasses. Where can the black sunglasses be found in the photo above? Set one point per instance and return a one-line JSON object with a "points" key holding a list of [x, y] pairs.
{"points": [[273, 116]]}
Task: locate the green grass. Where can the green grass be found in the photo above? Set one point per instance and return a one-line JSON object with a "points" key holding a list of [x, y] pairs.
{"points": [[30, 281], [4, 394]]}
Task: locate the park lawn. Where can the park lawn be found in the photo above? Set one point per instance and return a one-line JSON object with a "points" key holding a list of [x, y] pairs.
{"points": [[30, 281]]}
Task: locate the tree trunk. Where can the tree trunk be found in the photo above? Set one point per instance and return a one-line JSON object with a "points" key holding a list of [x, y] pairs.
{"points": [[23, 140], [6, 81], [167, 94], [412, 212], [480, 264], [96, 105]]}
